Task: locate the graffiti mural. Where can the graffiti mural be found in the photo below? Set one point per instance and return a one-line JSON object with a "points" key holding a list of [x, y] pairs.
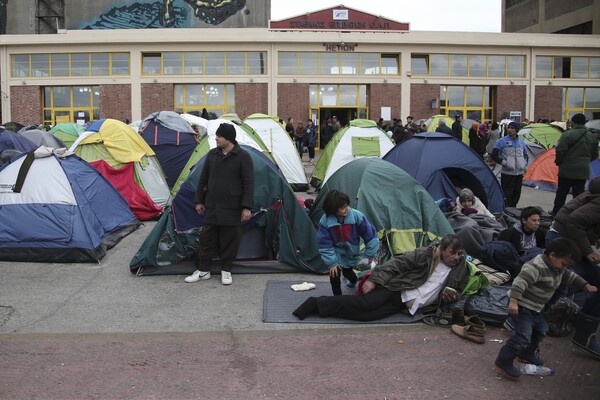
{"points": [[175, 14]]}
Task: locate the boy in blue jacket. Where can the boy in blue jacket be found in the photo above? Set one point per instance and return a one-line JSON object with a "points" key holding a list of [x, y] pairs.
{"points": [[340, 231]]}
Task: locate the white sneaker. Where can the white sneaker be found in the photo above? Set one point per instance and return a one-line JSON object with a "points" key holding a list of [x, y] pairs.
{"points": [[198, 276], [226, 278]]}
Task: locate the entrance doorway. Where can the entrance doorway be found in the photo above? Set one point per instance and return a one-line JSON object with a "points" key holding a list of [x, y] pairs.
{"points": [[343, 116]]}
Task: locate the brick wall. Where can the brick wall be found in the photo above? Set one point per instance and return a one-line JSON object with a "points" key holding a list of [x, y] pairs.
{"points": [[293, 101], [509, 98], [251, 98], [157, 97], [421, 95], [26, 104], [384, 95], [115, 102], [548, 103]]}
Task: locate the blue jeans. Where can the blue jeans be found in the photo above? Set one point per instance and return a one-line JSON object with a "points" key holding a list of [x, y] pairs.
{"points": [[530, 330]]}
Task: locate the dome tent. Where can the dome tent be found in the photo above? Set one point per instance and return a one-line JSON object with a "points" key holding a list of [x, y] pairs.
{"points": [[58, 208], [401, 210], [360, 138], [441, 163], [278, 238]]}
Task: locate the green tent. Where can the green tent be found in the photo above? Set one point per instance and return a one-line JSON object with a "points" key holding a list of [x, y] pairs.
{"points": [[404, 214], [68, 132], [278, 238], [360, 138], [546, 135]]}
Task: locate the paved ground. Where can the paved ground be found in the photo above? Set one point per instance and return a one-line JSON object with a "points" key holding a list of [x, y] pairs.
{"points": [[94, 331]]}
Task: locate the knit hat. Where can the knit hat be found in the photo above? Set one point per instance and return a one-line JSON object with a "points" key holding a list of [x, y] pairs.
{"points": [[579, 119], [226, 131], [515, 125]]}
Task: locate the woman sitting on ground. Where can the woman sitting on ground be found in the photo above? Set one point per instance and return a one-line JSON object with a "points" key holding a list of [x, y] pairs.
{"points": [[468, 204]]}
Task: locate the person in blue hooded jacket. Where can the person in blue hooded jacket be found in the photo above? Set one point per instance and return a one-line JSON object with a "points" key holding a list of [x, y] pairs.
{"points": [[341, 229], [511, 153]]}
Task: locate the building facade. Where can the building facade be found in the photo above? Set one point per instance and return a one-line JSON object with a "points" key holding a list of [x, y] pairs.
{"points": [[312, 66], [580, 17]]}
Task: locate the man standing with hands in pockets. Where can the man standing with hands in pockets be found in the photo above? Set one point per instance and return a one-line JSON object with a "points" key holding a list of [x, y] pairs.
{"points": [[224, 196]]}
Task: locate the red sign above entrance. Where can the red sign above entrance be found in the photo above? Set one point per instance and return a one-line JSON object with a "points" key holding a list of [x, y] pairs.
{"points": [[338, 19]]}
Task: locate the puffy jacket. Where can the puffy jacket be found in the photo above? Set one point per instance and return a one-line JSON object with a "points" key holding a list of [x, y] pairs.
{"points": [[575, 150], [511, 153], [579, 219], [339, 243]]}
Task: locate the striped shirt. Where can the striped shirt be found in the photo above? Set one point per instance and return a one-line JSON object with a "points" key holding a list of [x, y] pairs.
{"points": [[538, 280]]}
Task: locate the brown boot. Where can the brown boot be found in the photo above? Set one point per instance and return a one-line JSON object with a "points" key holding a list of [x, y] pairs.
{"points": [[469, 332]]}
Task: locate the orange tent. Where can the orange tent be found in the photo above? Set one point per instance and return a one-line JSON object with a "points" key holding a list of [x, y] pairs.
{"points": [[543, 172]]}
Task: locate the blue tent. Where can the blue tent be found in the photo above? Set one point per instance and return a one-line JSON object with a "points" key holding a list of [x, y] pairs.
{"points": [[13, 141], [172, 139], [278, 238], [59, 209], [440, 163]]}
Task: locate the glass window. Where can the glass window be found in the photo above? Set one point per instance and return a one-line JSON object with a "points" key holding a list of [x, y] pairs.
{"points": [[313, 96], [458, 65], [477, 66], [230, 96], [389, 64], [257, 63], [179, 96], [496, 66], [579, 67], [562, 66], [595, 67], [215, 95], [456, 96], [61, 97], [543, 67], [215, 63], [20, 65], [236, 63], [348, 95], [100, 64], [575, 98], [329, 64], [309, 64], [120, 63], [80, 64], [288, 63], [82, 96], [328, 95], [193, 63], [40, 66], [369, 64], [419, 64], [362, 96], [194, 95], [474, 96], [151, 63], [592, 98], [172, 63], [516, 66], [439, 64], [349, 63]]}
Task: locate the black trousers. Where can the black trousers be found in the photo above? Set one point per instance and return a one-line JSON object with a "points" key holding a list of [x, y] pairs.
{"points": [[511, 186], [218, 240], [336, 282], [576, 186], [377, 304]]}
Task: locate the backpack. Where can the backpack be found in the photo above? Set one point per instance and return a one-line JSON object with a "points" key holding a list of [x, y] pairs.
{"points": [[502, 256], [477, 280], [560, 317]]}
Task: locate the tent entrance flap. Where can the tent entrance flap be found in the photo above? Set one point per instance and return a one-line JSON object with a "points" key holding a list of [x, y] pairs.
{"points": [[366, 146]]}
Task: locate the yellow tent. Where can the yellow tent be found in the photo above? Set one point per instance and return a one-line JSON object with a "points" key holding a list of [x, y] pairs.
{"points": [[433, 122]]}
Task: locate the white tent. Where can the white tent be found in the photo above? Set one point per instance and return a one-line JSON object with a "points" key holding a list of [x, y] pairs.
{"points": [[281, 147]]}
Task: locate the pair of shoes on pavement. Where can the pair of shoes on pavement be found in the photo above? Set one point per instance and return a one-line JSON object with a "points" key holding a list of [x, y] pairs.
{"points": [[473, 329], [226, 278]]}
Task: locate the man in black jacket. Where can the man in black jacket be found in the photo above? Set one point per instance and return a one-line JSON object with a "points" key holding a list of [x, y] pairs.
{"points": [[224, 196], [525, 236]]}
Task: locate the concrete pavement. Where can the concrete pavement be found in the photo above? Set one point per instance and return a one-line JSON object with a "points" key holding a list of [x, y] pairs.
{"points": [[79, 331]]}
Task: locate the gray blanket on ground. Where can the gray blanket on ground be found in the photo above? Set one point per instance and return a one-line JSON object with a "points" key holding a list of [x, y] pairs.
{"points": [[474, 230]]}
